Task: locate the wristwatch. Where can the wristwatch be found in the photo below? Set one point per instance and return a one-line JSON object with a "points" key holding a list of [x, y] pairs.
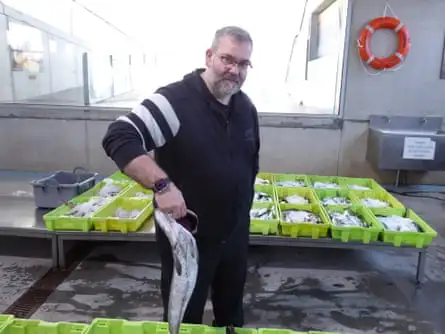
{"points": [[161, 186]]}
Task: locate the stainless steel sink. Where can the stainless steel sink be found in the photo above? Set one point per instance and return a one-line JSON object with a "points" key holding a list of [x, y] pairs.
{"points": [[406, 143]]}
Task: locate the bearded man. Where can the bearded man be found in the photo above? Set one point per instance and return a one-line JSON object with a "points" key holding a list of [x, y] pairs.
{"points": [[204, 133]]}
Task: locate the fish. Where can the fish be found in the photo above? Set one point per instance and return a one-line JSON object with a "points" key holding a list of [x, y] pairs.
{"points": [[185, 268], [347, 219], [327, 201]]}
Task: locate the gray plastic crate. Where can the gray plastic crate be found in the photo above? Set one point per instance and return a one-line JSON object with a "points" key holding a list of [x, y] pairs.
{"points": [[50, 192]]}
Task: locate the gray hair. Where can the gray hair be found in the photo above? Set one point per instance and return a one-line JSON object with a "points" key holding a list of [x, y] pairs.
{"points": [[237, 33]]}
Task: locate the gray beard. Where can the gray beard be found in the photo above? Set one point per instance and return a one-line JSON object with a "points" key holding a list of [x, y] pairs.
{"points": [[222, 89]]}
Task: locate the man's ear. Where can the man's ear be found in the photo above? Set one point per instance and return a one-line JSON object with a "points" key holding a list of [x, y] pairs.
{"points": [[209, 54]]}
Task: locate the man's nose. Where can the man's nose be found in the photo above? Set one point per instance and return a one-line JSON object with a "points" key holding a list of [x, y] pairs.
{"points": [[234, 69]]}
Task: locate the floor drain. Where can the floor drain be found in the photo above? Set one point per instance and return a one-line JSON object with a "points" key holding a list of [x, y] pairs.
{"points": [[25, 306]]}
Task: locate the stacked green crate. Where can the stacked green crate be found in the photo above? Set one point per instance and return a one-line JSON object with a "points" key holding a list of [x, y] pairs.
{"points": [[264, 226], [407, 238], [365, 234]]}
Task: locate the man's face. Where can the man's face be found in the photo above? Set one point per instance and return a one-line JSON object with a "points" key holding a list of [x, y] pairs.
{"points": [[228, 65]]}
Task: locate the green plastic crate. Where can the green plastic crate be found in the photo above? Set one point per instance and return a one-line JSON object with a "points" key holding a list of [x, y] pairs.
{"points": [[137, 191], [56, 220], [277, 331], [326, 193], [290, 177], [265, 227], [110, 326], [153, 327], [326, 179], [223, 330], [395, 207], [104, 221], [61, 328], [416, 239], [267, 176], [94, 192], [349, 182], [306, 193], [363, 234], [119, 176], [5, 319], [295, 230], [270, 190], [21, 326]]}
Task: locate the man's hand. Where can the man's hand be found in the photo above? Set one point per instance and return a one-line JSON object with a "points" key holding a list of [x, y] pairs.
{"points": [[171, 202]]}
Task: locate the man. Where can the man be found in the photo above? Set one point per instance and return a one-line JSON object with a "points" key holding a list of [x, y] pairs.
{"points": [[204, 133]]}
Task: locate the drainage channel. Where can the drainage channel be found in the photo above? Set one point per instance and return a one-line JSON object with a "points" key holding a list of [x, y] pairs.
{"points": [[25, 306]]}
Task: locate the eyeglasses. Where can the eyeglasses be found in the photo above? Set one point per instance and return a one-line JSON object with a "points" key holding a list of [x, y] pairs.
{"points": [[228, 60]]}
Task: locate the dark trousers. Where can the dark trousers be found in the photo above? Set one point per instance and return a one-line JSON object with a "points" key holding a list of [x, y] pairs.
{"points": [[222, 272]]}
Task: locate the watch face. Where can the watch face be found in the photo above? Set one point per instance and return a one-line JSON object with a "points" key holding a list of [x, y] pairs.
{"points": [[161, 184]]}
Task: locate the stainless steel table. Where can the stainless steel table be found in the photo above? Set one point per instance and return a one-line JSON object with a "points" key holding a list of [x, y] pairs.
{"points": [[147, 233], [19, 217]]}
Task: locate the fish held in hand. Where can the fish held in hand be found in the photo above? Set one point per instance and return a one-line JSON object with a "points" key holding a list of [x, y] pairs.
{"points": [[185, 267]]}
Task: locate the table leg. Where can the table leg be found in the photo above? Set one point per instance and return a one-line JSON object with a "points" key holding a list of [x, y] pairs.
{"points": [[421, 268], [55, 251], [62, 255]]}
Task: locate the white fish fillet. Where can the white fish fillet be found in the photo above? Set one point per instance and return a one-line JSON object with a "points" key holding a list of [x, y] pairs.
{"points": [[185, 268]]}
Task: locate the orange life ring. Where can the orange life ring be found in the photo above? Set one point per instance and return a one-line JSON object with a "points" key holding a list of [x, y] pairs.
{"points": [[385, 22]]}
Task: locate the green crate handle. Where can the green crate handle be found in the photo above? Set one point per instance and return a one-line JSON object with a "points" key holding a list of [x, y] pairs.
{"points": [[366, 237], [345, 236]]}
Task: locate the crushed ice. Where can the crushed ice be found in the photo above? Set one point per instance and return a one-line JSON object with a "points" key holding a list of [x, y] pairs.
{"points": [[326, 185], [399, 224], [87, 209], [290, 184], [328, 201], [300, 216], [126, 214], [374, 203], [294, 199], [110, 189], [347, 219]]}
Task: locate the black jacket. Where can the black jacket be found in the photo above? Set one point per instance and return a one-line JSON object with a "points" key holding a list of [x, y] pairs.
{"points": [[210, 151]]}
